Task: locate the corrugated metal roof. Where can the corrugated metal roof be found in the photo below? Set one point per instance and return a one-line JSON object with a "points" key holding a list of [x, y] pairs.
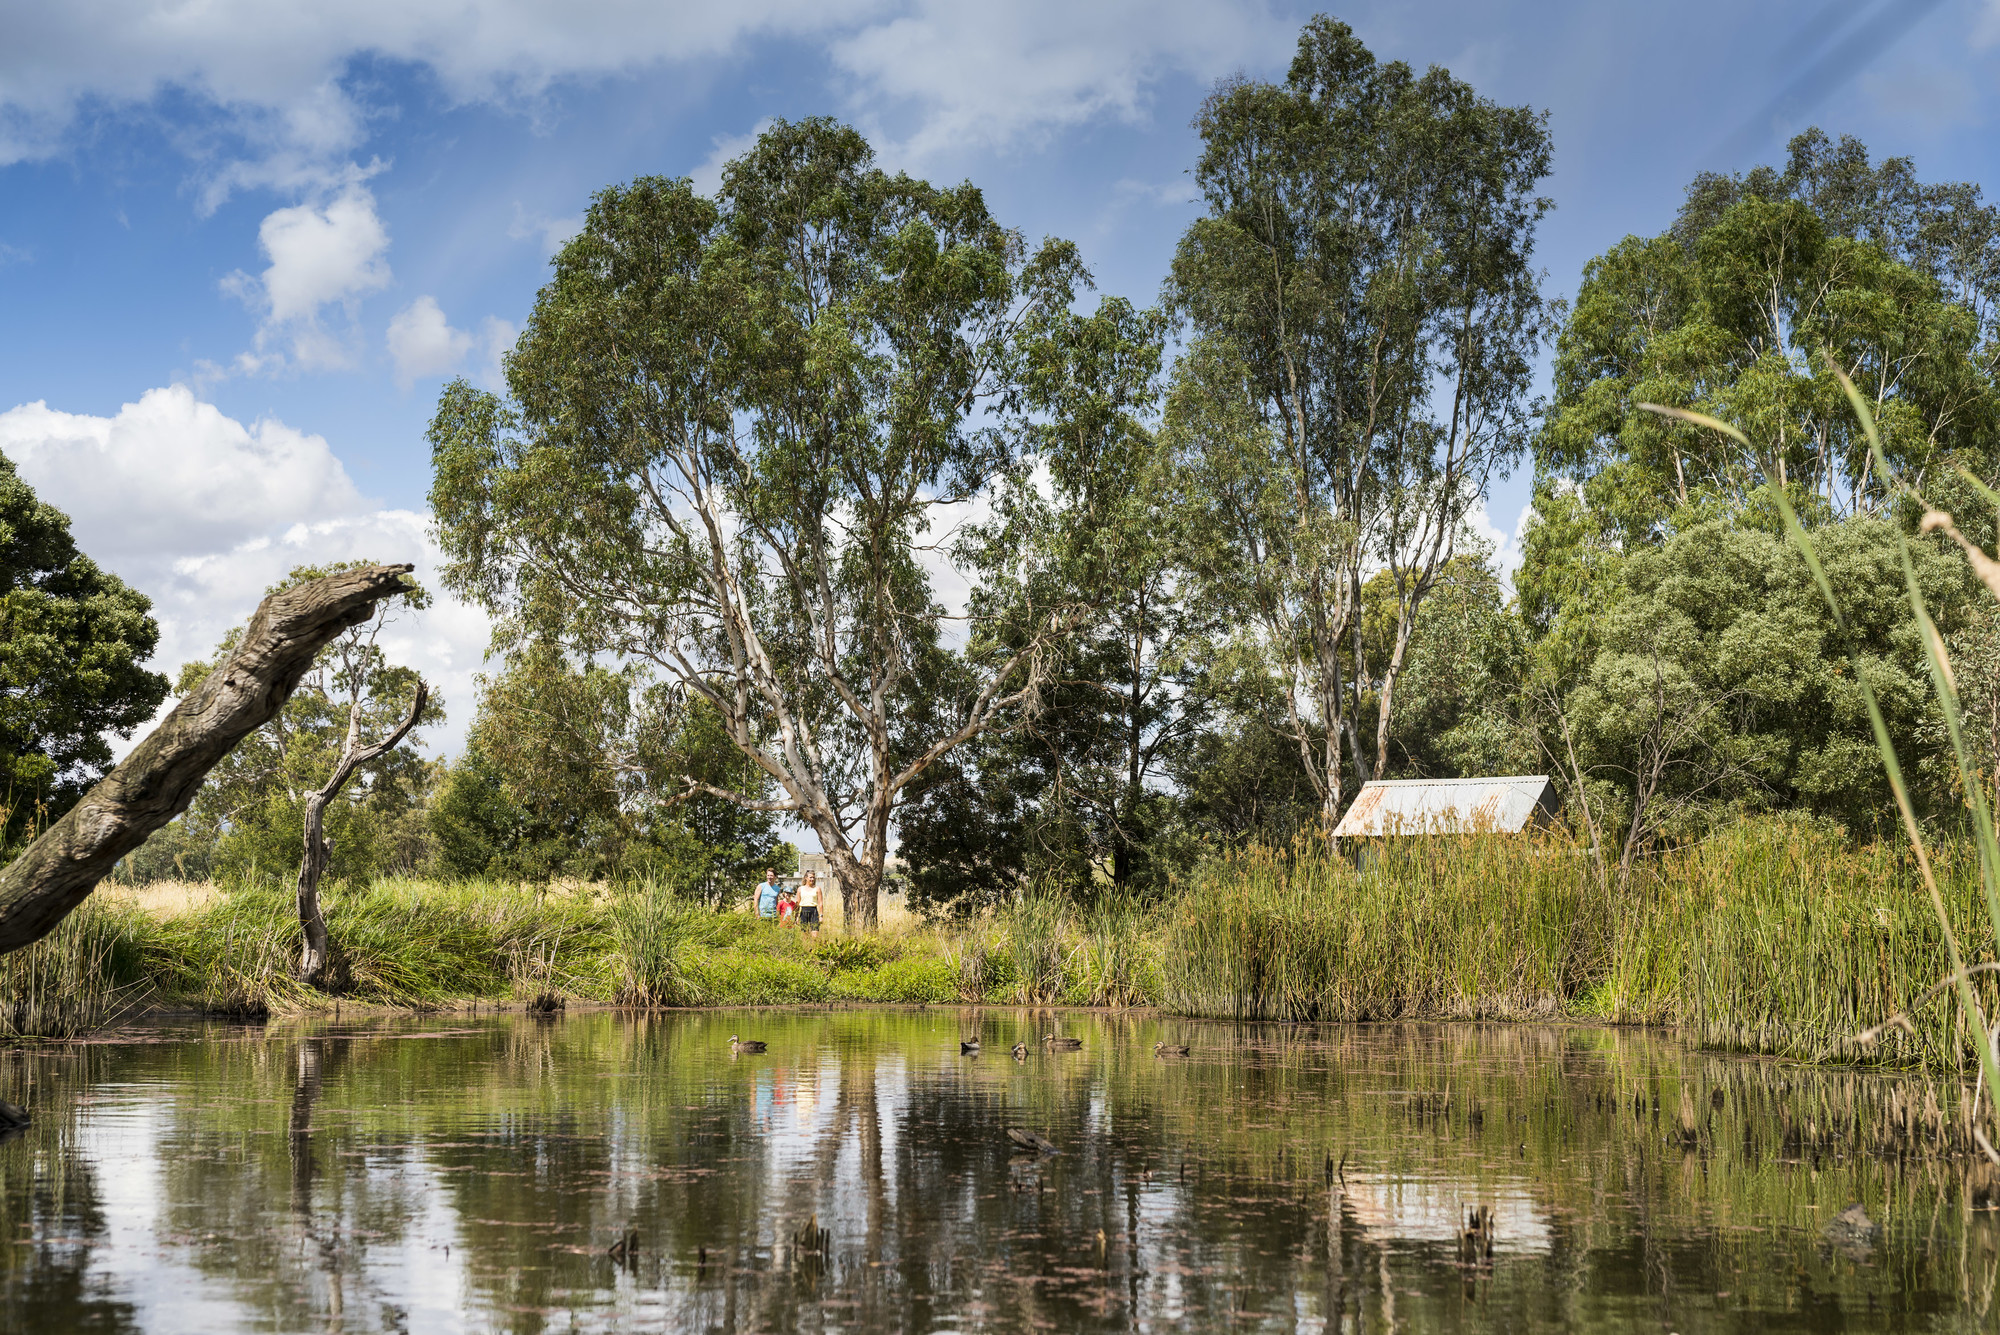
{"points": [[1451, 806]]}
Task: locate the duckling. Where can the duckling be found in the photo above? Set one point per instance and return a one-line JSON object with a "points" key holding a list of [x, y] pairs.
{"points": [[1165, 1049], [1061, 1044], [737, 1045], [1020, 1052], [968, 1047]]}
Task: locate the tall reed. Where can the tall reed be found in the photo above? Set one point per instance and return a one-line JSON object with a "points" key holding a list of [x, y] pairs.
{"points": [[1460, 926], [73, 980], [1962, 976]]}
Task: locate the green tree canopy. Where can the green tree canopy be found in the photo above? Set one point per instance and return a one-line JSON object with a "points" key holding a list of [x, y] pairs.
{"points": [[71, 654], [1744, 308], [563, 772]]}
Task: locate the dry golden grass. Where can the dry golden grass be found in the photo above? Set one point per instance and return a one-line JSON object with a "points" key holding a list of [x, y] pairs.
{"points": [[163, 899]]}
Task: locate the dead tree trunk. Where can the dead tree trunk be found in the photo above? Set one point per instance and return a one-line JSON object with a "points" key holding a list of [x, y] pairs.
{"points": [[319, 962], [163, 773]]}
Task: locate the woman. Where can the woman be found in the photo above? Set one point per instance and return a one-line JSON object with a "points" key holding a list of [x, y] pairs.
{"points": [[809, 903]]}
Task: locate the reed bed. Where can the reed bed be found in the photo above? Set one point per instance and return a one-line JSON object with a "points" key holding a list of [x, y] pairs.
{"points": [[75, 979], [1468, 927], [1776, 936]]}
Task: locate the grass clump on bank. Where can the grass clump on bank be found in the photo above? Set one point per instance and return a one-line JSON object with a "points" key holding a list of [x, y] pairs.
{"points": [[423, 944]]}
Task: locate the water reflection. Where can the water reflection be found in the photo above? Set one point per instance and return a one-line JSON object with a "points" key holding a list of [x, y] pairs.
{"points": [[618, 1172]]}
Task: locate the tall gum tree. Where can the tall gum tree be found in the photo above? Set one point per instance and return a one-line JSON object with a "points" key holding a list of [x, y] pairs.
{"points": [[732, 422], [1766, 285], [1364, 317]]}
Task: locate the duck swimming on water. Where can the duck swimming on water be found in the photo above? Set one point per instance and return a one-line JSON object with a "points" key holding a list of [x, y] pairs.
{"points": [[1165, 1049], [969, 1046], [1020, 1052], [1062, 1044], [737, 1045]]}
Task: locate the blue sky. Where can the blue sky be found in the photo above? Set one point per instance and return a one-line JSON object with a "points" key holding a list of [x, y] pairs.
{"points": [[243, 244]]}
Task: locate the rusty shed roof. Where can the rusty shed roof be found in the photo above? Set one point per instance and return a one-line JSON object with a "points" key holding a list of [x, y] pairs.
{"points": [[1505, 805]]}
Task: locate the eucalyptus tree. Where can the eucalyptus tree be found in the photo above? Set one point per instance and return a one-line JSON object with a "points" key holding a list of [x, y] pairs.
{"points": [[1365, 316], [1766, 286], [732, 425], [562, 776]]}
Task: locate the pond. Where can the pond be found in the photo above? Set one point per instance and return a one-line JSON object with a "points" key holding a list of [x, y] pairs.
{"points": [[613, 1171]]}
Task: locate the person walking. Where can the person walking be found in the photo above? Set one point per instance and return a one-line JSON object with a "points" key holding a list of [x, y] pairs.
{"points": [[767, 895], [809, 903]]}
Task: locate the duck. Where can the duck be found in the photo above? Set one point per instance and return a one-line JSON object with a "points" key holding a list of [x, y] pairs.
{"points": [[12, 1116], [737, 1045], [1062, 1044], [1020, 1052], [1165, 1049], [969, 1047]]}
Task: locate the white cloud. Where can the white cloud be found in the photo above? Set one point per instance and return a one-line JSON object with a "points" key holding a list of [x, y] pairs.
{"points": [[552, 233], [202, 513], [321, 254], [707, 177], [988, 76], [423, 344], [171, 474], [285, 113], [496, 340], [275, 69]]}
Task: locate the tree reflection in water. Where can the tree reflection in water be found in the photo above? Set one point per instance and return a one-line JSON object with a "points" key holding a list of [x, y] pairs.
{"points": [[616, 1171]]}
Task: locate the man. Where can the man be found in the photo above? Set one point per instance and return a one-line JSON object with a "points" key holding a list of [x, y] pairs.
{"points": [[767, 895]]}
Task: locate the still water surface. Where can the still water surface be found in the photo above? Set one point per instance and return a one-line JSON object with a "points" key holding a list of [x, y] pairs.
{"points": [[609, 1171]]}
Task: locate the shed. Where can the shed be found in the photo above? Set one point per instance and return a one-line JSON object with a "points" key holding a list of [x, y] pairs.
{"points": [[1506, 805]]}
